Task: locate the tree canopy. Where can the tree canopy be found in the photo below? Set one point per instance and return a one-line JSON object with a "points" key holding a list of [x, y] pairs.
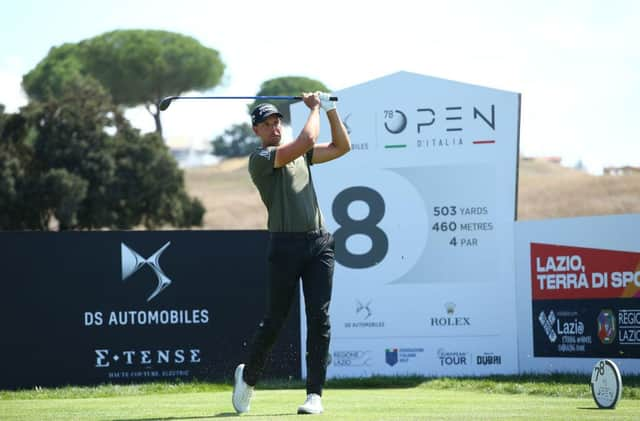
{"points": [[238, 140], [76, 160], [137, 67], [71, 160]]}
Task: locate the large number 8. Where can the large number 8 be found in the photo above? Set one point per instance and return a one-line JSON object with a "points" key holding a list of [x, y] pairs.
{"points": [[367, 226]]}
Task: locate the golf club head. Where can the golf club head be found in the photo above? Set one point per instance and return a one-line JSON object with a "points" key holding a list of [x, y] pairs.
{"points": [[164, 104]]}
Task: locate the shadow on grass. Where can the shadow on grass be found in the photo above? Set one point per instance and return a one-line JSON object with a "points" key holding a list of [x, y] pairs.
{"points": [[208, 417], [233, 414], [219, 415]]}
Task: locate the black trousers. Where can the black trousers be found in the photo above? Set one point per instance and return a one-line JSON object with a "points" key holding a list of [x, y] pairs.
{"points": [[293, 256]]}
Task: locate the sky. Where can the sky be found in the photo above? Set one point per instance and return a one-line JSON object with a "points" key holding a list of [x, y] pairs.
{"points": [[575, 63]]}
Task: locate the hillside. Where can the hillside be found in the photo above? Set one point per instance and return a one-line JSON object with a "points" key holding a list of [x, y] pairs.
{"points": [[545, 190], [226, 190]]}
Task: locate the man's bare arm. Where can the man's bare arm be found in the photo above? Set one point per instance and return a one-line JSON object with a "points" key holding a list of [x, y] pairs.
{"points": [[340, 143], [307, 137]]}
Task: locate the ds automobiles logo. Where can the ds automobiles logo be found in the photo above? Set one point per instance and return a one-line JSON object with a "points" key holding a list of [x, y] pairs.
{"points": [[132, 261]]}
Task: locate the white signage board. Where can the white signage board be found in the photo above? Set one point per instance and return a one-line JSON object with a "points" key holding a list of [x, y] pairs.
{"points": [[578, 284], [422, 210]]}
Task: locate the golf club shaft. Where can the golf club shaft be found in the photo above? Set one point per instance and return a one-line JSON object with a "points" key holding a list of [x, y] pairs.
{"points": [[164, 104]]}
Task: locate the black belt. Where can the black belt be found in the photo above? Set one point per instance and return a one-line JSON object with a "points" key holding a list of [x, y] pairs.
{"points": [[304, 234]]}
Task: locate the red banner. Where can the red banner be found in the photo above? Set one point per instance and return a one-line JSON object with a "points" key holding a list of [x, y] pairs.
{"points": [[565, 272]]}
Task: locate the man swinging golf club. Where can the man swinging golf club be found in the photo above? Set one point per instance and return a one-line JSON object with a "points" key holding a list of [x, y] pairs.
{"points": [[299, 246]]}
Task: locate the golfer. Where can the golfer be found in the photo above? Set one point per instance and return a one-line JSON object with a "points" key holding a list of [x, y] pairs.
{"points": [[299, 246]]}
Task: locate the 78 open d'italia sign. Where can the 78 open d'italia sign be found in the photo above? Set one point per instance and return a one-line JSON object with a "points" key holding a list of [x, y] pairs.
{"points": [[422, 210]]}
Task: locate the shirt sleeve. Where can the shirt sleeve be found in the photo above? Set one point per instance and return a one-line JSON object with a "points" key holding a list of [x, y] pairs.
{"points": [[261, 161], [310, 157]]}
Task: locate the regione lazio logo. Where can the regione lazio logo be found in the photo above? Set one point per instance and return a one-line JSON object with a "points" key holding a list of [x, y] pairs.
{"points": [[132, 262], [606, 326]]}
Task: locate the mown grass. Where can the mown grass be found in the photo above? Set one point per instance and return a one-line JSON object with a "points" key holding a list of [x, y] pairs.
{"points": [[554, 385], [428, 399]]}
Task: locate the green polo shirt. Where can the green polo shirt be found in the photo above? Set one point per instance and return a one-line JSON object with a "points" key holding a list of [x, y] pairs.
{"points": [[287, 192]]}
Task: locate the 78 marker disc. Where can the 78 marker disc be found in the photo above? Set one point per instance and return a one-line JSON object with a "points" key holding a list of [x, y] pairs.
{"points": [[606, 384]]}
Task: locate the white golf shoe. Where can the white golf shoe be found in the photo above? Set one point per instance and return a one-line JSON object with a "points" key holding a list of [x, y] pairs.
{"points": [[242, 392], [313, 405]]}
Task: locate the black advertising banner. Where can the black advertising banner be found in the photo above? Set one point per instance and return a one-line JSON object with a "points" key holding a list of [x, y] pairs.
{"points": [[102, 307], [587, 328], [585, 302]]}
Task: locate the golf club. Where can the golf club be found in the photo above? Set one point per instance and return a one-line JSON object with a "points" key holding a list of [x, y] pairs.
{"points": [[164, 104]]}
